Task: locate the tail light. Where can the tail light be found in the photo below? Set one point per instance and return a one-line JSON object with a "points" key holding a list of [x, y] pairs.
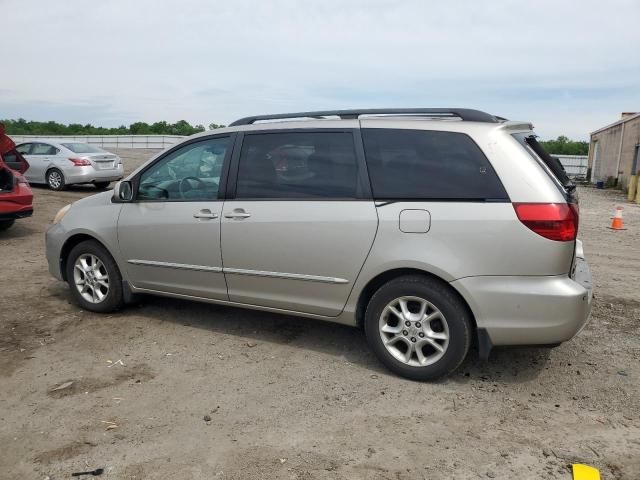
{"points": [[80, 162], [555, 221]]}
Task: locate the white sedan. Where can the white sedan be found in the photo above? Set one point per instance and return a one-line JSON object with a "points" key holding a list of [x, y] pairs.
{"points": [[61, 163]]}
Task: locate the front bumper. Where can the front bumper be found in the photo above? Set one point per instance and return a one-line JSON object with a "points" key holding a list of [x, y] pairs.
{"points": [[54, 240], [523, 310]]}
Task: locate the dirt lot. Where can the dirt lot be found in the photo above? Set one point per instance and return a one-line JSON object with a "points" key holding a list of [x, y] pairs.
{"points": [[293, 398]]}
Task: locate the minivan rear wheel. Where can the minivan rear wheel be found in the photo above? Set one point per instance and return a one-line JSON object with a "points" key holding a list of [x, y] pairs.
{"points": [[418, 327], [94, 278]]}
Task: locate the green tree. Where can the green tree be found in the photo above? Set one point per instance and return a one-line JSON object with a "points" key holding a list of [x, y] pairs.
{"points": [[564, 146], [24, 127]]}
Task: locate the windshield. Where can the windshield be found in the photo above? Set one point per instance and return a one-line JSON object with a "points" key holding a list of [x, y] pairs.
{"points": [[82, 148]]}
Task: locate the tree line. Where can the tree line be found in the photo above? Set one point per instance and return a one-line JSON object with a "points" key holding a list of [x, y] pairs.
{"points": [[30, 127], [560, 146], [564, 146]]}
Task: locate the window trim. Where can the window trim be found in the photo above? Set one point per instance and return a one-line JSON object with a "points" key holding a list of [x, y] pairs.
{"points": [[388, 200], [135, 181], [363, 174]]}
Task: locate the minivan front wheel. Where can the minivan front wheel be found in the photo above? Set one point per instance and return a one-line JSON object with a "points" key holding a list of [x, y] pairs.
{"points": [[418, 327], [94, 278]]}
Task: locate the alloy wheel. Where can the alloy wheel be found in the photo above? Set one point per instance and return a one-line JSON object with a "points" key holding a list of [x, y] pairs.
{"points": [[414, 331], [55, 180], [91, 278]]}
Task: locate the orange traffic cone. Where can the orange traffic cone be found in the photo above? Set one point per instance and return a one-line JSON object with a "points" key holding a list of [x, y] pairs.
{"points": [[616, 220]]}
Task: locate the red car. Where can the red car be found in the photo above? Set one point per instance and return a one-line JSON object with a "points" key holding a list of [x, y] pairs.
{"points": [[15, 194]]}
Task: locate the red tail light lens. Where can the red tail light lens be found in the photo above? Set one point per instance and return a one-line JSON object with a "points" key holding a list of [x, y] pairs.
{"points": [[555, 221], [80, 162]]}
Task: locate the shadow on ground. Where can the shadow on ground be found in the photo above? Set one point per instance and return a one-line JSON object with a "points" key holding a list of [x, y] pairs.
{"points": [[507, 365]]}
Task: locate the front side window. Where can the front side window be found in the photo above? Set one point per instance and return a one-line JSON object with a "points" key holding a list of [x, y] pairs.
{"points": [[189, 173], [298, 165], [429, 165]]}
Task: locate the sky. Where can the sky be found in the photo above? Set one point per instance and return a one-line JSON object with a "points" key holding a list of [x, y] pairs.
{"points": [[569, 67]]}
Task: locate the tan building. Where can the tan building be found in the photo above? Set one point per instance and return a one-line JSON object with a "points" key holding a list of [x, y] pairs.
{"points": [[614, 151]]}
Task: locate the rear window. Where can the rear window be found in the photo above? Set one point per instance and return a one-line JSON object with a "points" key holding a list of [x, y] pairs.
{"points": [[429, 165], [82, 148]]}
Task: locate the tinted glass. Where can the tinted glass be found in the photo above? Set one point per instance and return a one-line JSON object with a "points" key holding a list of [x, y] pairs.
{"points": [[298, 165], [83, 148], [43, 149], [188, 173], [418, 164]]}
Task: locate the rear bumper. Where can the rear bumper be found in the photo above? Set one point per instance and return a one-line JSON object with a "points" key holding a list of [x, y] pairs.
{"points": [[22, 213], [530, 310], [89, 174], [16, 204]]}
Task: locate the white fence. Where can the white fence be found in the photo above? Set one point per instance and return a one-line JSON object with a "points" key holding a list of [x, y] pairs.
{"points": [[109, 141], [575, 165]]}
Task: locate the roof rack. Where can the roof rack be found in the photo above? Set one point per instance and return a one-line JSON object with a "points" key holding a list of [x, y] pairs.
{"points": [[465, 114]]}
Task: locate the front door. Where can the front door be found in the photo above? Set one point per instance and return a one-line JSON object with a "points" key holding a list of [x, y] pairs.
{"points": [[301, 222], [170, 234]]}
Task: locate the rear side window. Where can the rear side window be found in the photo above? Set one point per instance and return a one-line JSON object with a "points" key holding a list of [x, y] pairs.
{"points": [[43, 149], [429, 165], [528, 140], [298, 165]]}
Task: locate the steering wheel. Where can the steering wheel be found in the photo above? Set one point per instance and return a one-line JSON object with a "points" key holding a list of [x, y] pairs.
{"points": [[186, 181]]}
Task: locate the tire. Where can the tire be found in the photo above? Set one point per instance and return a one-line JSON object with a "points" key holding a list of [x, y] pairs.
{"points": [[449, 327], [87, 279], [6, 224], [55, 179], [101, 185]]}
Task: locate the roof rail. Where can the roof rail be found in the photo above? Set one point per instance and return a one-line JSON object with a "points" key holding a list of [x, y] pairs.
{"points": [[465, 114]]}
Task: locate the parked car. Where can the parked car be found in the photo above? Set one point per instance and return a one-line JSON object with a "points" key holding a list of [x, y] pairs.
{"points": [[433, 229], [61, 163], [15, 194]]}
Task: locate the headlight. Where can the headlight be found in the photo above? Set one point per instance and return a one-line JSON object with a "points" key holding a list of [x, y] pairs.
{"points": [[61, 213]]}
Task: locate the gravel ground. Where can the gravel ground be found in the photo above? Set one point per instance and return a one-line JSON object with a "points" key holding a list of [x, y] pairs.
{"points": [[173, 389]]}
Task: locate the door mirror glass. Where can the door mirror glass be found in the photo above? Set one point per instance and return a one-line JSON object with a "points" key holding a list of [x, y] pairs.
{"points": [[123, 192]]}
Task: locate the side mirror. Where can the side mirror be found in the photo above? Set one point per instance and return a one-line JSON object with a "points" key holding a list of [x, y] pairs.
{"points": [[122, 192]]}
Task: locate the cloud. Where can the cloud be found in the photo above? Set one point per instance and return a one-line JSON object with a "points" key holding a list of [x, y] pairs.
{"points": [[568, 66]]}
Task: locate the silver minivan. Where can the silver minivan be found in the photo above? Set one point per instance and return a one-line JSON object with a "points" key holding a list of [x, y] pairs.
{"points": [[431, 229]]}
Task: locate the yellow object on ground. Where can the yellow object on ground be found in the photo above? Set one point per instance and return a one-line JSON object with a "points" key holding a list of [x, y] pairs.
{"points": [[638, 195], [633, 186], [585, 472]]}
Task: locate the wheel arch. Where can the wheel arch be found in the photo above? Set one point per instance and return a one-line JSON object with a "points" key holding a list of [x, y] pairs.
{"points": [[70, 243], [376, 282]]}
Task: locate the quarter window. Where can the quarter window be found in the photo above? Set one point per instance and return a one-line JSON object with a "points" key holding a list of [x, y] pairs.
{"points": [[298, 165], [189, 173], [428, 165]]}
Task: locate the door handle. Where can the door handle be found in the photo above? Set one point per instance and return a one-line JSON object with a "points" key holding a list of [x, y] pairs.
{"points": [[205, 214], [237, 213]]}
